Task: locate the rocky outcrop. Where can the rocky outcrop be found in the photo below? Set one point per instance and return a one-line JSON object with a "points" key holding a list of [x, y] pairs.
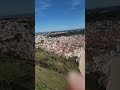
{"points": [[102, 66], [82, 62], [114, 82]]}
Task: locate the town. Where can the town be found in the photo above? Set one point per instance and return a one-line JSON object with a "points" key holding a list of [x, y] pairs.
{"points": [[17, 37], [68, 46]]}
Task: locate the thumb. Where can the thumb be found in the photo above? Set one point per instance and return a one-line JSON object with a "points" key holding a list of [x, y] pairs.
{"points": [[75, 81]]}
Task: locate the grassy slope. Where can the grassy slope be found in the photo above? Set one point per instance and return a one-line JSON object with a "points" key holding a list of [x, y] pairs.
{"points": [[13, 71], [51, 70], [46, 78], [54, 62], [49, 80]]}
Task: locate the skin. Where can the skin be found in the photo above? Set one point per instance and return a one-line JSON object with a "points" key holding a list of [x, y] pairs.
{"points": [[75, 81]]}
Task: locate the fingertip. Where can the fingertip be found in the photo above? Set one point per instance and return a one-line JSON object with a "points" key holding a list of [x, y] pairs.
{"points": [[75, 81]]}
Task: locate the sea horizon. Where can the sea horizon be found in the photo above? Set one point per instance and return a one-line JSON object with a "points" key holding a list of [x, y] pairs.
{"points": [[59, 31]]}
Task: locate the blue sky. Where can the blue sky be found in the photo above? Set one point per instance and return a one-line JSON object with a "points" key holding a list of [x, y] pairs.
{"points": [[56, 15]]}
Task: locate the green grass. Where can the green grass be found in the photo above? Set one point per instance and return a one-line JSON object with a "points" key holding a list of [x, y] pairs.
{"points": [[20, 72], [52, 70], [13, 71], [49, 80], [55, 62]]}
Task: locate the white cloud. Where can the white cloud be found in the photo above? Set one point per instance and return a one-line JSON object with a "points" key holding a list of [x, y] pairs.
{"points": [[75, 3], [42, 5]]}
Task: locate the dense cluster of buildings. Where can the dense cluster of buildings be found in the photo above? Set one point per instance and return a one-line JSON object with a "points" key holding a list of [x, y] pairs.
{"points": [[102, 37], [17, 37], [102, 48], [68, 46]]}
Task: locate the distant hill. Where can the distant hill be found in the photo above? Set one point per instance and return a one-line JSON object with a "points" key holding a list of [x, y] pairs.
{"points": [[69, 33], [72, 30], [64, 33], [108, 13], [26, 15]]}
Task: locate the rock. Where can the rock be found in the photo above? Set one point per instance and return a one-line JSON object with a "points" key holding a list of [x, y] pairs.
{"points": [[114, 81], [105, 65], [82, 63]]}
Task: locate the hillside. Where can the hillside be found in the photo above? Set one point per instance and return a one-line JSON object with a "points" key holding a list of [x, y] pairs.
{"points": [[14, 74], [13, 71], [107, 13], [67, 33], [48, 79], [54, 66]]}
